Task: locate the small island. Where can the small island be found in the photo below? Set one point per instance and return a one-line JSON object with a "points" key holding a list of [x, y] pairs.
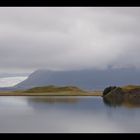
{"points": [[128, 96], [129, 90]]}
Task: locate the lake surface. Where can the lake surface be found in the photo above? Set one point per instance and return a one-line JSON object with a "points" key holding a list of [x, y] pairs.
{"points": [[66, 114]]}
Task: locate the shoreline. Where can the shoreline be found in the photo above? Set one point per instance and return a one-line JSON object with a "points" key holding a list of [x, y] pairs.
{"points": [[55, 95]]}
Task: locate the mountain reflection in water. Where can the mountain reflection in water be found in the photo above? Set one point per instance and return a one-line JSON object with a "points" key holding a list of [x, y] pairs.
{"points": [[65, 114]]}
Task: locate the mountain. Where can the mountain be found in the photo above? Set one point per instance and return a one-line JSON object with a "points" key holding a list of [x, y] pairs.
{"points": [[85, 79], [8, 88]]}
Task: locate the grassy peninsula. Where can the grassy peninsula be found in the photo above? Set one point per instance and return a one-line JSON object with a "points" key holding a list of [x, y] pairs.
{"points": [[51, 91]]}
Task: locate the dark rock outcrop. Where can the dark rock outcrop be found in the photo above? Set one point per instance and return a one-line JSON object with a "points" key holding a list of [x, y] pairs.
{"points": [[108, 89]]}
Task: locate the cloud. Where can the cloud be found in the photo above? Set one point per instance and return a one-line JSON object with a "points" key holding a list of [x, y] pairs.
{"points": [[11, 81], [68, 38]]}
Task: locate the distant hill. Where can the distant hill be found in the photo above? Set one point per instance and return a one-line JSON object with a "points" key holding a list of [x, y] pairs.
{"points": [[52, 88], [85, 79]]}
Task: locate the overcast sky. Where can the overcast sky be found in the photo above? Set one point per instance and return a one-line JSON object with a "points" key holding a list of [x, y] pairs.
{"points": [[68, 38], [11, 81]]}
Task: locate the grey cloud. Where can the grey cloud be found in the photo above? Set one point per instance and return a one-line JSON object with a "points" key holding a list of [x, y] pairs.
{"points": [[68, 38]]}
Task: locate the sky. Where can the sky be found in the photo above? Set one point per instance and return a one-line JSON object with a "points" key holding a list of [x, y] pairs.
{"points": [[68, 38], [11, 81]]}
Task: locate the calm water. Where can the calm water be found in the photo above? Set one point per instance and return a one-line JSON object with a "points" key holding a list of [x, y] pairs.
{"points": [[66, 114]]}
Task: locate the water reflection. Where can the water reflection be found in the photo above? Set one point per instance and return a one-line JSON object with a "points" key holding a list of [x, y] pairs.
{"points": [[54, 100], [127, 101], [65, 114], [84, 104]]}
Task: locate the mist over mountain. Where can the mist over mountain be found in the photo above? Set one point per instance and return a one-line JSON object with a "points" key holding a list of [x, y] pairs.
{"points": [[85, 79]]}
